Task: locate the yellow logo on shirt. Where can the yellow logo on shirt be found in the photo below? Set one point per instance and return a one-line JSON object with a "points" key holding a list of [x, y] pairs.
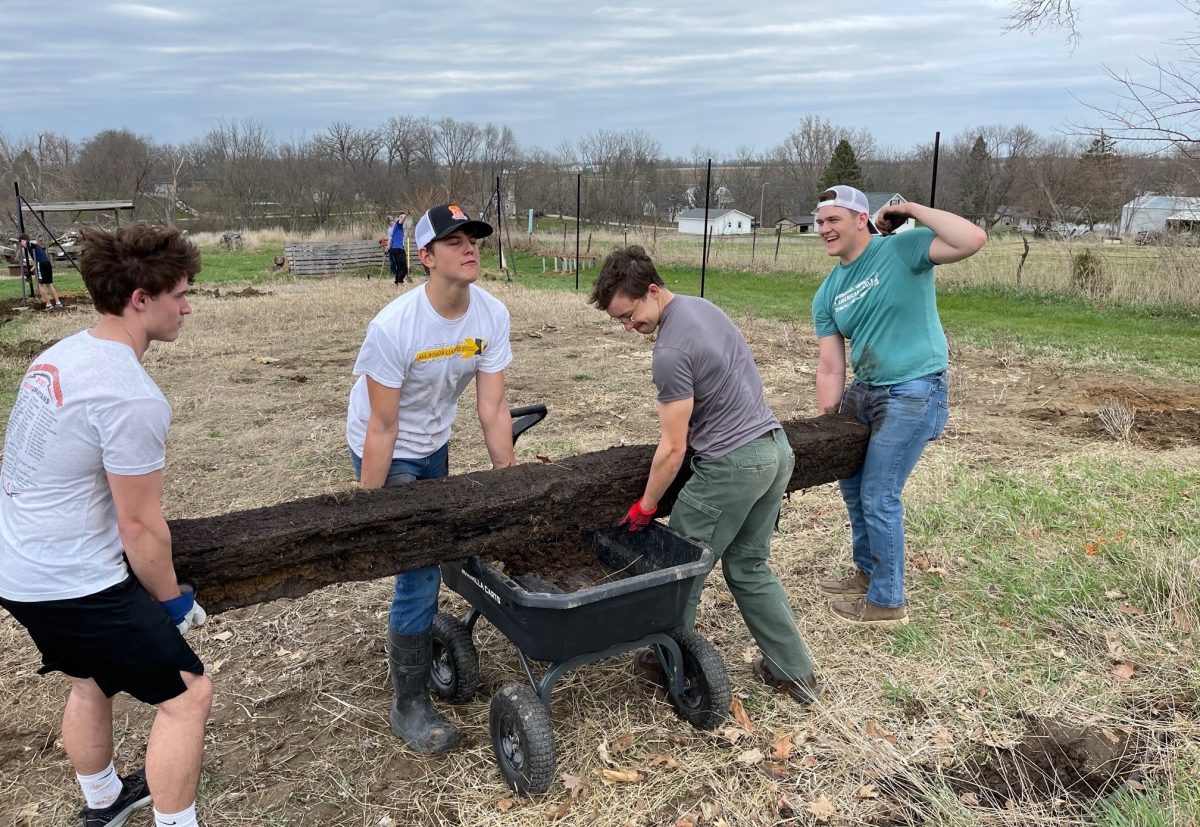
{"points": [[469, 349]]}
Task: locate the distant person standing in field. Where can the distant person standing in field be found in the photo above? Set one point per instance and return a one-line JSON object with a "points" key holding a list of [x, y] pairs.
{"points": [[45, 273], [85, 552], [710, 398], [881, 296], [397, 252], [419, 355]]}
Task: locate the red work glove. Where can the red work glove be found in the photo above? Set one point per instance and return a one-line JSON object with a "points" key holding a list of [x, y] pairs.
{"points": [[637, 518]]}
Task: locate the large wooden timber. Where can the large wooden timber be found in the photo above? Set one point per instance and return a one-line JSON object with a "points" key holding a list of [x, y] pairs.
{"points": [[290, 549]]}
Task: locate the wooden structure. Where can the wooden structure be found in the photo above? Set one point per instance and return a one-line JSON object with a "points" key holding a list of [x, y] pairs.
{"points": [[325, 258], [290, 549], [79, 206]]}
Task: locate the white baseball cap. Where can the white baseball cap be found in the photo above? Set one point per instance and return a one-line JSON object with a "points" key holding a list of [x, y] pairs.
{"points": [[850, 198]]}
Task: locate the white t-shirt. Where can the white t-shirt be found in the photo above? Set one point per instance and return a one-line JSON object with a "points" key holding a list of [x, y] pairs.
{"points": [[432, 360], [85, 407]]}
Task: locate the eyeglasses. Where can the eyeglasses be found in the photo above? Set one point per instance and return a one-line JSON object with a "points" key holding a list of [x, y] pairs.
{"points": [[628, 317]]}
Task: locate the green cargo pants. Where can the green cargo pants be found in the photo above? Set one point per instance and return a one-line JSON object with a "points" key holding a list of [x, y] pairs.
{"points": [[731, 504]]}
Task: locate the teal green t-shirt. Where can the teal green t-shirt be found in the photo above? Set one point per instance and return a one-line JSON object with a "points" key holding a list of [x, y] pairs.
{"points": [[884, 302]]}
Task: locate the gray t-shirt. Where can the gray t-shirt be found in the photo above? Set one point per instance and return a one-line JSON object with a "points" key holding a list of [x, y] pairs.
{"points": [[700, 353]]}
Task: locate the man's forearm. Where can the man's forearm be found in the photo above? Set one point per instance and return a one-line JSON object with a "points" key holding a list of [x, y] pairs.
{"points": [[148, 549], [952, 229], [663, 470], [830, 387], [378, 448], [497, 436]]}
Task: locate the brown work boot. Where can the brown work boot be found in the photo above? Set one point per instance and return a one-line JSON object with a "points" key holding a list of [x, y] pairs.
{"points": [[802, 690], [856, 582], [862, 612]]}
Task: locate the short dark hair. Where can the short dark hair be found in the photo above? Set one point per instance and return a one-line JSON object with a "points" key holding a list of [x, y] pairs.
{"points": [[627, 270], [23, 237], [114, 264]]}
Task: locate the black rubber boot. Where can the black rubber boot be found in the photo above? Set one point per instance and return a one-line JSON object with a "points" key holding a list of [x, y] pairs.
{"points": [[412, 717]]}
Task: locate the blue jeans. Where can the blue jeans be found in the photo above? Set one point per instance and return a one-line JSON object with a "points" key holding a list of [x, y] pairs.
{"points": [[902, 419], [415, 599]]}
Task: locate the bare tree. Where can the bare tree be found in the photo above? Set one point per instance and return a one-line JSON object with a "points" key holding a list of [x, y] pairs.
{"points": [[1032, 15]]}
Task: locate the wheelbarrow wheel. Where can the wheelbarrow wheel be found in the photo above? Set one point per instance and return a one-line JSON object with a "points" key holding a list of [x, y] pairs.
{"points": [[454, 675], [704, 702], [522, 739]]}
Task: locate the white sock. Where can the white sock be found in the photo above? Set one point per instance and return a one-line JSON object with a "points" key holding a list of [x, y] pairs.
{"points": [[184, 818], [101, 789]]}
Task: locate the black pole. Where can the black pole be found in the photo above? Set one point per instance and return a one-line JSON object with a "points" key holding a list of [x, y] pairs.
{"points": [[499, 225], [937, 139], [23, 252], [578, 200], [704, 248]]}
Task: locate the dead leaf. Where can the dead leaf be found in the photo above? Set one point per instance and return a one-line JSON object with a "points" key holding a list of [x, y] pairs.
{"points": [[921, 562], [664, 760], [610, 777], [809, 761], [1130, 610], [1134, 784], [740, 715], [264, 360], [1124, 671], [223, 636], [751, 757], [867, 791], [533, 334], [505, 804], [941, 737], [675, 738], [1091, 549], [557, 811], [709, 809], [1182, 621], [621, 743], [777, 770], [732, 734], [1061, 654], [688, 820], [938, 571], [1114, 594], [602, 751], [216, 667], [782, 746], [873, 729], [542, 458], [821, 809], [970, 799], [1116, 650], [749, 654], [575, 784]]}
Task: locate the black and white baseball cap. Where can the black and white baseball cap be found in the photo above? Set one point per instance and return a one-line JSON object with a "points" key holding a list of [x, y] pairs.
{"points": [[440, 221]]}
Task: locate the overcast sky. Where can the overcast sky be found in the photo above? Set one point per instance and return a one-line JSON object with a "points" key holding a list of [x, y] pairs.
{"points": [[718, 75]]}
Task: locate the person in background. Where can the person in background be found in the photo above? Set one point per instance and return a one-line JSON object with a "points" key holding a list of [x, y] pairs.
{"points": [[397, 252]]}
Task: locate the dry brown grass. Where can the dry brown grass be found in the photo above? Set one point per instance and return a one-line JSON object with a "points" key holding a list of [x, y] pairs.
{"points": [[299, 731]]}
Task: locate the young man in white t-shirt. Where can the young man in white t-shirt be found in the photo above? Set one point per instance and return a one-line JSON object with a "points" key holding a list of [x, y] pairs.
{"points": [[85, 552], [419, 355]]}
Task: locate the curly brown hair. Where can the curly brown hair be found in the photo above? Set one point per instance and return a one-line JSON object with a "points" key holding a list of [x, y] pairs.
{"points": [[114, 264], [627, 270]]}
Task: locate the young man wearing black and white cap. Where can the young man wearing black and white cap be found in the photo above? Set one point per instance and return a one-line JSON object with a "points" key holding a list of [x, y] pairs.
{"points": [[419, 355], [880, 295]]}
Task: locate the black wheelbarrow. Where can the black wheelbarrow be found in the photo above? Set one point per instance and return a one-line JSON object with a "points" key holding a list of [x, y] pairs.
{"points": [[568, 630]]}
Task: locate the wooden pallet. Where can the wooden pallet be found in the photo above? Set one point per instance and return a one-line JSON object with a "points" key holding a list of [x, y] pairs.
{"points": [[324, 258]]}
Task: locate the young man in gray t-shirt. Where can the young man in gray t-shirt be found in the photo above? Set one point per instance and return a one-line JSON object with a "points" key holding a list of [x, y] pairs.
{"points": [[710, 398]]}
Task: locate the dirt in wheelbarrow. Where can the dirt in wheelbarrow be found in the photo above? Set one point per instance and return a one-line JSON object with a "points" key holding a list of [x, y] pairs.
{"points": [[566, 565]]}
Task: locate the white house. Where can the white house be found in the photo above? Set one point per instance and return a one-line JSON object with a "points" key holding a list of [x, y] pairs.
{"points": [[720, 222], [1159, 213]]}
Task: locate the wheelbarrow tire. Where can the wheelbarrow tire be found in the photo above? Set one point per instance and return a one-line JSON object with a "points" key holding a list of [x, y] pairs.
{"points": [[706, 693], [522, 739], [454, 674]]}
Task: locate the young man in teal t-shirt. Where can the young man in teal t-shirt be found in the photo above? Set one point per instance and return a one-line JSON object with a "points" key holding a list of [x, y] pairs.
{"points": [[881, 297]]}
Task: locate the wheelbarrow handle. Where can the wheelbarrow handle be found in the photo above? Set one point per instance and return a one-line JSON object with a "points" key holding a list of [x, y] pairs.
{"points": [[525, 417]]}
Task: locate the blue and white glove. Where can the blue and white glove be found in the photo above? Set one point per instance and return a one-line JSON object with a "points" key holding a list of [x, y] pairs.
{"points": [[185, 612]]}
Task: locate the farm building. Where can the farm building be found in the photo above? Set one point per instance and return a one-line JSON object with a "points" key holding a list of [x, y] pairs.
{"points": [[802, 223], [1160, 213], [720, 222]]}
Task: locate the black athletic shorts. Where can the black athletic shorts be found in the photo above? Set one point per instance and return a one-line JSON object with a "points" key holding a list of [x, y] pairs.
{"points": [[122, 638], [45, 272]]}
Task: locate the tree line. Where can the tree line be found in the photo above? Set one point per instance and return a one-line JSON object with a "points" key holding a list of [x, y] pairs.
{"points": [[240, 174]]}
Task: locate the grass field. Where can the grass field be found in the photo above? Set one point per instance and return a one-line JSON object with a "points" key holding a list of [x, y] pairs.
{"points": [[1049, 578]]}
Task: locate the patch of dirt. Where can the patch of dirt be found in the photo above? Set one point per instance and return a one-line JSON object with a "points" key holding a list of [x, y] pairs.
{"points": [[1055, 759], [565, 566], [24, 349], [248, 292]]}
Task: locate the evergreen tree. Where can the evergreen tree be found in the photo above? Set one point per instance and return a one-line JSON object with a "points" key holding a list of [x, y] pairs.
{"points": [[975, 182], [1100, 187], [842, 168]]}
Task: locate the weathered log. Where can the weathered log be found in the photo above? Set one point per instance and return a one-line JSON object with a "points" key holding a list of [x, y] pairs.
{"points": [[290, 549]]}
